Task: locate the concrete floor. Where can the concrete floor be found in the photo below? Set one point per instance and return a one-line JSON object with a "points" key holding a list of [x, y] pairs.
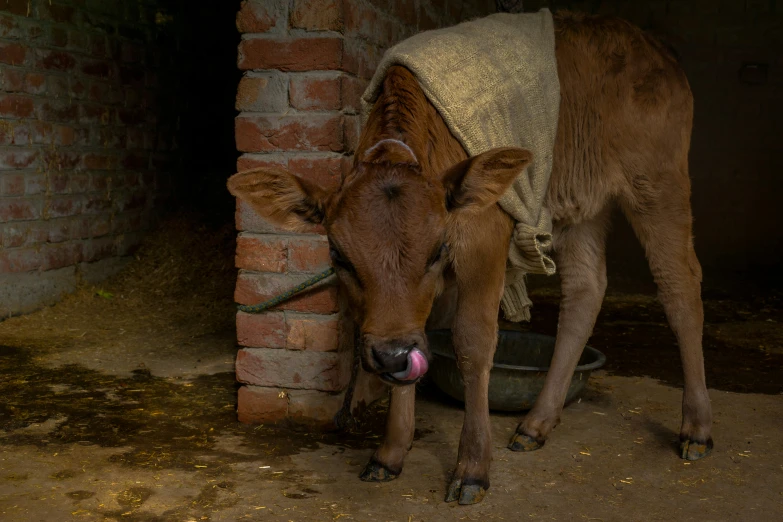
{"points": [[143, 428]]}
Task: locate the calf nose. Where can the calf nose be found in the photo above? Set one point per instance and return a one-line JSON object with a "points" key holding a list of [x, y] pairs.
{"points": [[392, 360]]}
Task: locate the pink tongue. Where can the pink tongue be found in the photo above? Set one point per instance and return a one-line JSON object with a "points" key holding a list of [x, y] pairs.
{"points": [[417, 366]]}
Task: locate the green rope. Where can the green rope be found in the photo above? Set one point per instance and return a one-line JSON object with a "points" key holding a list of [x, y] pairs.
{"points": [[260, 307]]}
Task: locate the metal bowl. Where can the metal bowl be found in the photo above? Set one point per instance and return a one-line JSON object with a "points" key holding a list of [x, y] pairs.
{"points": [[518, 371]]}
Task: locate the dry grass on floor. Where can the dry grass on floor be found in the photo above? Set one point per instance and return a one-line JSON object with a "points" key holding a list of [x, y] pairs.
{"points": [[179, 285]]}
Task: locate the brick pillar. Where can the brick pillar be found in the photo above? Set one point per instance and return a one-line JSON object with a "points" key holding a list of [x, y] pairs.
{"points": [[306, 65]]}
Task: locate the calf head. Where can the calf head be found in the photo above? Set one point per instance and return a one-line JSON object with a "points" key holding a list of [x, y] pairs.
{"points": [[389, 225]]}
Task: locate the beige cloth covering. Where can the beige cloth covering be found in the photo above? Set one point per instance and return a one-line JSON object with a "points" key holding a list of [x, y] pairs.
{"points": [[494, 81]]}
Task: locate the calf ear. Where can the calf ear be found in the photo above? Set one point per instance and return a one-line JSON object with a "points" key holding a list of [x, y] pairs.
{"points": [[279, 196], [478, 182]]}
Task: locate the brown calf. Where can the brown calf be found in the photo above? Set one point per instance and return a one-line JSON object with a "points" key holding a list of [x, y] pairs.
{"points": [[416, 219]]}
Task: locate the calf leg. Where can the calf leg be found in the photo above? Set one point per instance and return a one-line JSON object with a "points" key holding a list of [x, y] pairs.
{"points": [[481, 249], [665, 232], [475, 338], [386, 462], [581, 260]]}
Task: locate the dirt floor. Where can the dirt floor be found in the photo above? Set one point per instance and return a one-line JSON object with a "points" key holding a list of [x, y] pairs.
{"points": [[119, 404]]}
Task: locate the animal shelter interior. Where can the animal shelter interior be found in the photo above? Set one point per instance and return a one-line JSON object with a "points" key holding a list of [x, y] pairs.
{"points": [[136, 390]]}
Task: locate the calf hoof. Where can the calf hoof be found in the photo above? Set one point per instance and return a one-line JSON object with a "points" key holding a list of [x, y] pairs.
{"points": [[377, 472], [522, 442], [466, 492], [694, 450]]}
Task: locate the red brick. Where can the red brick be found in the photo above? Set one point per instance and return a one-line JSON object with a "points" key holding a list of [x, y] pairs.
{"points": [[131, 116], [325, 171], [14, 235], [35, 83], [97, 68], [58, 182], [318, 333], [38, 233], [310, 92], [267, 330], [99, 225], [318, 15], [57, 86], [265, 93], [58, 231], [63, 135], [56, 12], [360, 58], [135, 138], [55, 60], [12, 185], [96, 161], [16, 106], [58, 37], [363, 20], [61, 255], [261, 16], [96, 204], [254, 161], [79, 41], [54, 110], [98, 45], [352, 128], [17, 7], [315, 409], [35, 183], [63, 207], [135, 161], [17, 80], [126, 223], [95, 114], [77, 88], [18, 209], [17, 158], [315, 132], [308, 255], [79, 228], [351, 90], [80, 182], [287, 54], [132, 200], [256, 405], [19, 260], [61, 159], [40, 132], [12, 53], [9, 28], [97, 249], [262, 253], [253, 288], [325, 371]]}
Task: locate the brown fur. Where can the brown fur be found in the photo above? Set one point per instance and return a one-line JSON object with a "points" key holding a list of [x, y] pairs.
{"points": [[623, 137]]}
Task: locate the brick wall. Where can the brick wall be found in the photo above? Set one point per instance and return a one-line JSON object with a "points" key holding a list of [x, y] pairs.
{"points": [[306, 64], [84, 143]]}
